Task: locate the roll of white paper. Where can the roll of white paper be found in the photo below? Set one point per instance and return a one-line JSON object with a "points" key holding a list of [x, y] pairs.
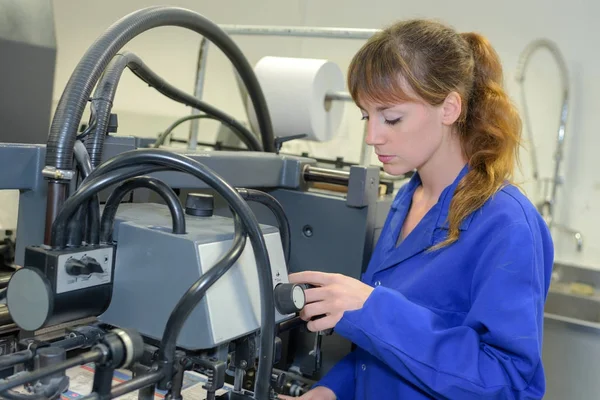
{"points": [[295, 90]]}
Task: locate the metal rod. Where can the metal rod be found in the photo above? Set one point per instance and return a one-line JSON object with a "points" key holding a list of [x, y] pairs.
{"points": [[299, 31], [199, 91], [10, 360], [340, 96], [316, 174], [18, 380], [136, 383]]}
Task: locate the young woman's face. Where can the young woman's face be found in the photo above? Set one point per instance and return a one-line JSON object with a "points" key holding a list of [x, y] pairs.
{"points": [[404, 136]]}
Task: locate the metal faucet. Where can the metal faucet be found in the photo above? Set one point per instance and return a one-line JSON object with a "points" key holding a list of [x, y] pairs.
{"points": [[547, 206]]}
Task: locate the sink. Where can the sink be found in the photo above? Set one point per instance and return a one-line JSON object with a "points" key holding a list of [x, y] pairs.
{"points": [[574, 295]]}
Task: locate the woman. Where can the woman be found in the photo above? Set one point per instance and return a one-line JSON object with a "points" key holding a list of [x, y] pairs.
{"points": [[451, 305]]}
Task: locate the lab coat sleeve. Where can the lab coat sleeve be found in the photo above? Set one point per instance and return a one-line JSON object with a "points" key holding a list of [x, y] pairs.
{"points": [[340, 378], [494, 354]]}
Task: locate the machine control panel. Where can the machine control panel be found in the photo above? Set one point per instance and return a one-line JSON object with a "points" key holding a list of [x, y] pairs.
{"points": [[85, 266], [82, 270]]}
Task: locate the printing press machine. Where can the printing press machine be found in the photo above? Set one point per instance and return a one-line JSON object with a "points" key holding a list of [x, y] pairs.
{"points": [[162, 260]]}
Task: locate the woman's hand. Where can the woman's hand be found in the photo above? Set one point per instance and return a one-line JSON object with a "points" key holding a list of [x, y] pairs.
{"points": [[333, 295], [318, 393]]}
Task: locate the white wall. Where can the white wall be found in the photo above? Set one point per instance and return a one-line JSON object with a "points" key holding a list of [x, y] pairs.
{"points": [[510, 25]]}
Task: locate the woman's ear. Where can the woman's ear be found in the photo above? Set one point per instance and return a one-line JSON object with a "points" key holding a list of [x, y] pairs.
{"points": [[451, 108]]}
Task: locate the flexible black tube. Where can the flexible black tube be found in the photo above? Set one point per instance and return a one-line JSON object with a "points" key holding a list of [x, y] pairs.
{"points": [[163, 136], [63, 131], [156, 185], [272, 204], [97, 181], [194, 295], [59, 235], [151, 78]]}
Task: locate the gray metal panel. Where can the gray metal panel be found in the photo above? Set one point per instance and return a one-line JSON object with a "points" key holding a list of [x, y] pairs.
{"points": [[20, 166], [24, 162], [248, 169], [154, 268], [28, 21], [28, 59], [570, 355]]}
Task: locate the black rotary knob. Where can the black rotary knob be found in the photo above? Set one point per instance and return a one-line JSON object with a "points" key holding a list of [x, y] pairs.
{"points": [[199, 204], [289, 298]]}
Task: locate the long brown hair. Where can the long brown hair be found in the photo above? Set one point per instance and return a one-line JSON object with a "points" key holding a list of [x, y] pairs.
{"points": [[435, 60]]}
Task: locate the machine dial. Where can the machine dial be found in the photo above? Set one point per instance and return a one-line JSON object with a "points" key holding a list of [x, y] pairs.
{"points": [[289, 298]]}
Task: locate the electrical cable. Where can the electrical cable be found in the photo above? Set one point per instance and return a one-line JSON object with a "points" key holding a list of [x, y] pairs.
{"points": [[108, 173], [156, 185], [143, 72], [105, 93], [92, 226], [163, 136], [282, 221]]}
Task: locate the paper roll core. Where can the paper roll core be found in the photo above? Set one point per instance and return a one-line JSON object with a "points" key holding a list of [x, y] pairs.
{"points": [[296, 91]]}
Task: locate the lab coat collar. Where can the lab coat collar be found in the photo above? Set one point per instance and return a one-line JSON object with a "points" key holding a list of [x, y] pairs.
{"points": [[432, 229]]}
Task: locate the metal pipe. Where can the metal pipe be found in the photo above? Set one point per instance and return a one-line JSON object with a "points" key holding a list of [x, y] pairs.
{"points": [[10, 360], [57, 194], [339, 96], [18, 380], [199, 91], [316, 174], [299, 31], [524, 59]]}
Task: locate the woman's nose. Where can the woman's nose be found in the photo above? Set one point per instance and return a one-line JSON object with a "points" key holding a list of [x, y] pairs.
{"points": [[374, 135]]}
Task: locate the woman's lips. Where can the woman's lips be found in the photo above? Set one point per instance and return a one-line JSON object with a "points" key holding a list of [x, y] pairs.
{"points": [[385, 159]]}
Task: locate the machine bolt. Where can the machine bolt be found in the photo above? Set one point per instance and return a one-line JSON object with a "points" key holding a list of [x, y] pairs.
{"points": [[307, 231], [243, 364]]}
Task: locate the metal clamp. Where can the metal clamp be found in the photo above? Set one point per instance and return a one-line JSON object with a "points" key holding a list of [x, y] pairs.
{"points": [[58, 174]]}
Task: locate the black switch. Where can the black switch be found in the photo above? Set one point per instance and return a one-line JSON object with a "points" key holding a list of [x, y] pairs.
{"points": [[85, 266]]}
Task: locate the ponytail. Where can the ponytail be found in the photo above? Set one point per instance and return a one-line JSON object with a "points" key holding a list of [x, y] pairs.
{"points": [[490, 136]]}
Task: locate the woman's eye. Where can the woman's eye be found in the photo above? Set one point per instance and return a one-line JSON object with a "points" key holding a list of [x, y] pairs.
{"points": [[392, 121], [364, 118]]}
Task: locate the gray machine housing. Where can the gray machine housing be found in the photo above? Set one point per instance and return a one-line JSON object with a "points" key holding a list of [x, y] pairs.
{"points": [[155, 267]]}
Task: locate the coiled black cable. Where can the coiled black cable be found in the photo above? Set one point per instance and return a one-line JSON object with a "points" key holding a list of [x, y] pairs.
{"points": [[156, 185], [108, 173]]}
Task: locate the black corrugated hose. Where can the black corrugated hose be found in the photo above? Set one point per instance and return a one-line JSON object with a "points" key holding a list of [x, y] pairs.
{"points": [[63, 131]]}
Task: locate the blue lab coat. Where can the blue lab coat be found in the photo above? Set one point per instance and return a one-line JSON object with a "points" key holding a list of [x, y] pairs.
{"points": [[464, 322]]}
